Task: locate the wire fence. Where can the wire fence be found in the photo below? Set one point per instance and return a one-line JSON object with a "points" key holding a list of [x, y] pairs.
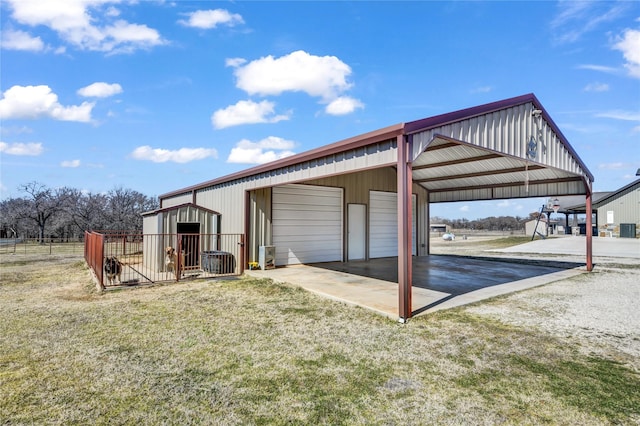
{"points": [[131, 259], [34, 246]]}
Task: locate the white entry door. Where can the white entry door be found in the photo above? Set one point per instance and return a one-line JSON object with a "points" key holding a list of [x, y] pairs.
{"points": [[357, 229]]}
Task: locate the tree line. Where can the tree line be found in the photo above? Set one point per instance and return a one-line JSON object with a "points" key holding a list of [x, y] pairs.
{"points": [[493, 223], [65, 213]]}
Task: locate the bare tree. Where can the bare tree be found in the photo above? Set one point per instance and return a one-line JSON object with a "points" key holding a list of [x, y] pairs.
{"points": [[41, 205], [10, 217], [69, 212], [87, 211], [125, 208]]}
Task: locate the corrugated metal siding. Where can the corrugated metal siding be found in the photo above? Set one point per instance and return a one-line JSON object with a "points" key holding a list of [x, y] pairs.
{"points": [[383, 224], [506, 131], [228, 198], [260, 221], [541, 190], [356, 190], [229, 201], [307, 224], [152, 246], [190, 214], [625, 207], [176, 200]]}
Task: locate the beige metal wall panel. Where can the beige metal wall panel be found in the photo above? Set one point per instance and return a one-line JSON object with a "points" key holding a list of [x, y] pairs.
{"points": [[540, 190], [189, 214], [625, 208], [152, 246], [307, 224], [508, 132], [260, 221], [228, 198], [176, 201], [356, 191], [229, 201]]}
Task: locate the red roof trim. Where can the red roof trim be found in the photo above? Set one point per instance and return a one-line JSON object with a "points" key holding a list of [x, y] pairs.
{"points": [[335, 148]]}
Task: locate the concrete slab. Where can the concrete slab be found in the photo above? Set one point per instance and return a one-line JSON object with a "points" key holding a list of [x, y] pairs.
{"points": [[575, 245], [439, 282]]}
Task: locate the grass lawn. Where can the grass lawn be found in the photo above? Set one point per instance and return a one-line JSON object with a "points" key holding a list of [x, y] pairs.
{"points": [[248, 351]]}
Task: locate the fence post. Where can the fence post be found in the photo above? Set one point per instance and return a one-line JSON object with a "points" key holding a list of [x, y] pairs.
{"points": [[242, 254], [178, 257]]}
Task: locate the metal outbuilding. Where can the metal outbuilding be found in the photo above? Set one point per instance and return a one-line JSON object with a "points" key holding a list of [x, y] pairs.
{"points": [[368, 196], [617, 213]]}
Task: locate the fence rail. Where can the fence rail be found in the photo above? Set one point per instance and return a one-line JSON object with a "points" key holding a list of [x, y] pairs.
{"points": [[130, 259], [34, 246]]}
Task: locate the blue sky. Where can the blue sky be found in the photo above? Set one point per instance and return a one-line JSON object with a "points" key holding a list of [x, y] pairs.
{"points": [[159, 95]]}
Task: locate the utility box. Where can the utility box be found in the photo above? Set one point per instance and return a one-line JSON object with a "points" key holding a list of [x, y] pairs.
{"points": [[627, 230], [267, 257], [218, 262]]}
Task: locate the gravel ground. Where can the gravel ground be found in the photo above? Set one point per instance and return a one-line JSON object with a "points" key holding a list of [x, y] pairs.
{"points": [[599, 310]]}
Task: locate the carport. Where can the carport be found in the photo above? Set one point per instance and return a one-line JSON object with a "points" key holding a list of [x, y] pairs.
{"points": [[506, 149], [303, 204]]}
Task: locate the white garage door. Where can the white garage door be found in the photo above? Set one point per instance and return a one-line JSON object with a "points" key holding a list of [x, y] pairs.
{"points": [[383, 224], [307, 224]]}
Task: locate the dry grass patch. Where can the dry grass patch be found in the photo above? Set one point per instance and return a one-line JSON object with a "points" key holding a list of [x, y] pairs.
{"points": [[249, 351]]}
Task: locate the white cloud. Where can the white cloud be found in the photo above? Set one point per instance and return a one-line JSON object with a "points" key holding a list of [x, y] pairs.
{"points": [[31, 148], [182, 155], [100, 90], [464, 208], [246, 112], [20, 40], [234, 62], [599, 68], [620, 115], [482, 89], [576, 18], [614, 166], [318, 76], [343, 105], [70, 163], [269, 149], [32, 102], [86, 24], [207, 19], [596, 87], [507, 204], [629, 45], [15, 130]]}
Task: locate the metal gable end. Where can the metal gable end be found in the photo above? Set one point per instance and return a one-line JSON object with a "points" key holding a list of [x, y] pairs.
{"points": [[507, 149]]}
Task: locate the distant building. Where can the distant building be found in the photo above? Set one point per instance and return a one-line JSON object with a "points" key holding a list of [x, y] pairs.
{"points": [[617, 213], [537, 227], [439, 228]]}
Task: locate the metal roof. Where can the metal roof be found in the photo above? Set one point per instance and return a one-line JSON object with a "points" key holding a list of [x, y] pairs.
{"points": [[571, 204], [180, 206], [505, 149]]}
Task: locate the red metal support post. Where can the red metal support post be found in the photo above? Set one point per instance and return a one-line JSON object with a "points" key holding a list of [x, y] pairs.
{"points": [[404, 182], [589, 229]]}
